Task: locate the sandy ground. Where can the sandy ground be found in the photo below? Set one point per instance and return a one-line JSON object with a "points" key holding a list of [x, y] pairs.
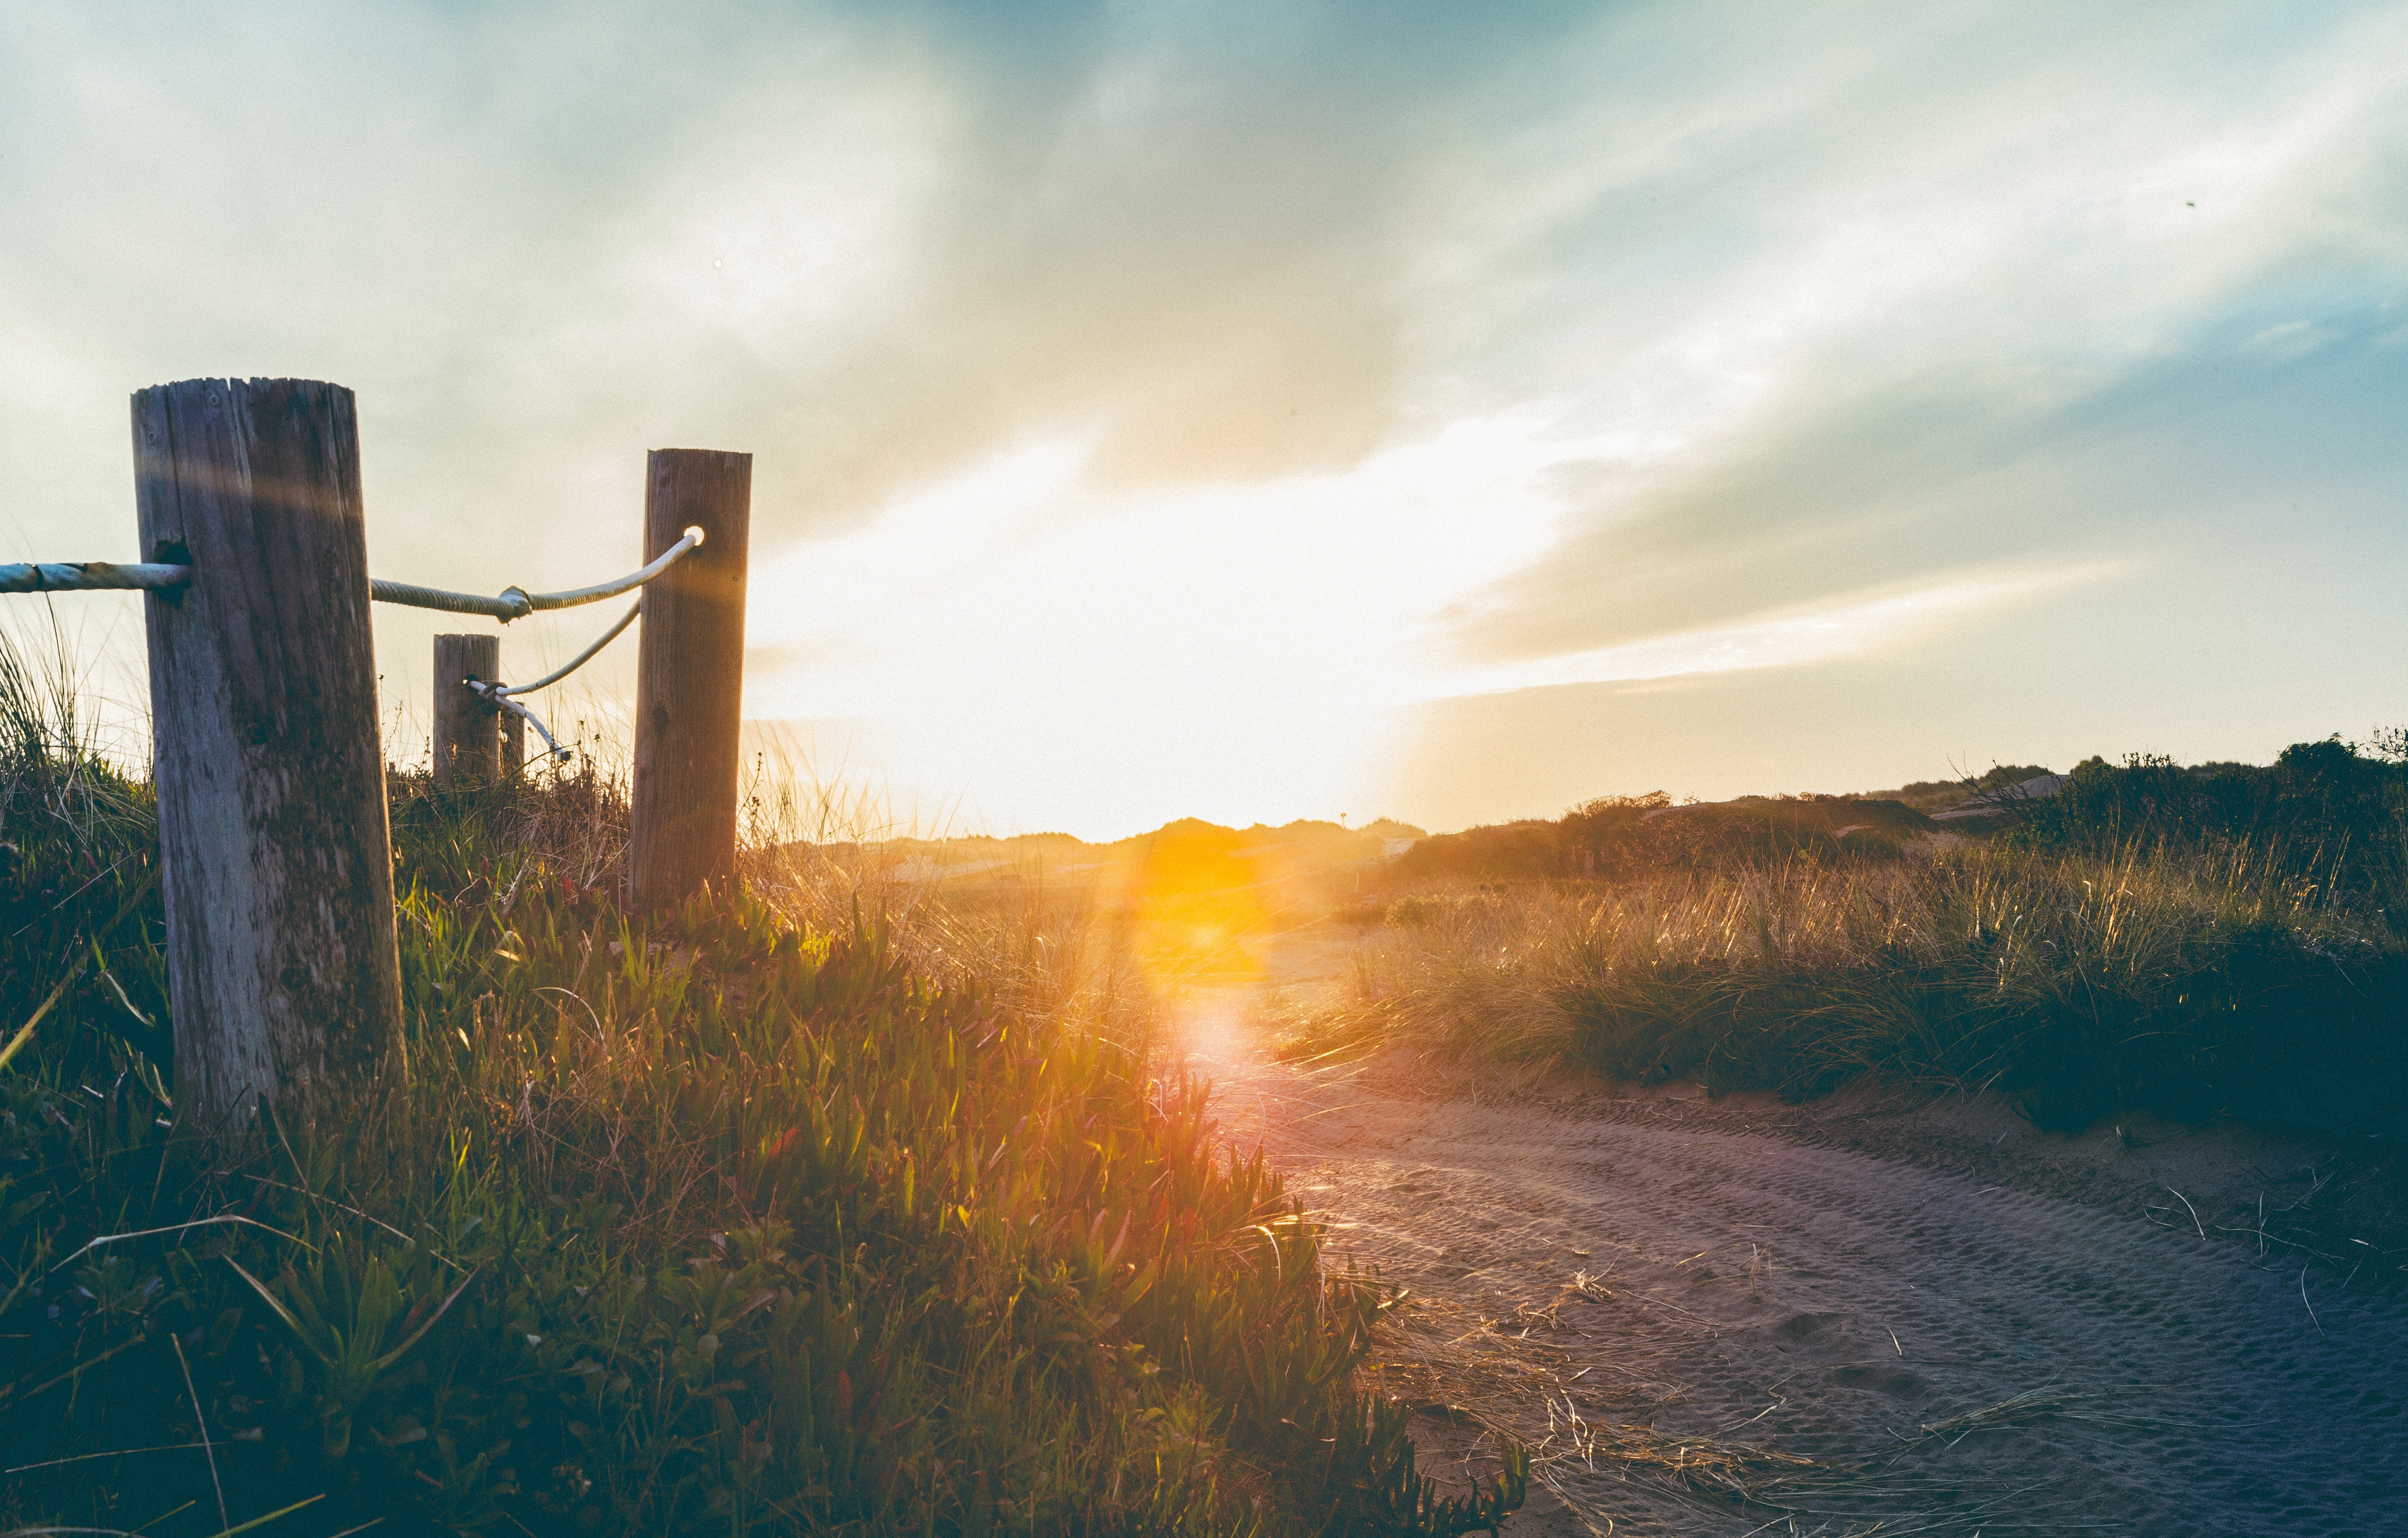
{"points": [[1723, 1318]]}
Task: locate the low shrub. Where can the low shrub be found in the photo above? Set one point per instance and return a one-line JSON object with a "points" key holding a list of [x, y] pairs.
{"points": [[1620, 838], [2321, 810], [2195, 942], [2194, 984]]}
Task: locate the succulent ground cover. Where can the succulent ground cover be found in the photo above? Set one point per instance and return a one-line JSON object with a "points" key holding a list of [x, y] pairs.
{"points": [[767, 1218]]}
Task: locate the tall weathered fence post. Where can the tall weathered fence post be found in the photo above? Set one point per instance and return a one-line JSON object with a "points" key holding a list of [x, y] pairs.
{"points": [[278, 864], [468, 729], [689, 679]]}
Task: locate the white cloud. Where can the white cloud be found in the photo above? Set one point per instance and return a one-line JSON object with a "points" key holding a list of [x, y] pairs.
{"points": [[1568, 289], [1860, 628], [1848, 201], [2291, 339]]}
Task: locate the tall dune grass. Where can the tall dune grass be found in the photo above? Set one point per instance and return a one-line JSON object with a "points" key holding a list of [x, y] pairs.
{"points": [[805, 1210], [2190, 982]]}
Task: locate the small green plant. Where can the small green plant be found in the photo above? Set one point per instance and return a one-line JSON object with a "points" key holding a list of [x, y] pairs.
{"points": [[351, 1324]]}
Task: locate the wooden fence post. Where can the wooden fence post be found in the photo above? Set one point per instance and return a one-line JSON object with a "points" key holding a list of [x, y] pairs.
{"points": [[281, 959], [467, 731], [689, 679]]}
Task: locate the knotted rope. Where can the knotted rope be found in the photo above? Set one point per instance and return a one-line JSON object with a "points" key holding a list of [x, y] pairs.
{"points": [[517, 603]]}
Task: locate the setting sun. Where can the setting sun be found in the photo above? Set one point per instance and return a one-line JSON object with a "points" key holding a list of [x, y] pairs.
{"points": [[1151, 771]]}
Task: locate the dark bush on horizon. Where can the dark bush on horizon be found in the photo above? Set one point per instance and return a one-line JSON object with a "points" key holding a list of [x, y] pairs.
{"points": [[2322, 810], [1618, 837]]}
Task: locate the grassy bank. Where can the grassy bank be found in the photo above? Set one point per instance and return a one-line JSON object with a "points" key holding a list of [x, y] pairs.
{"points": [[775, 1218], [2190, 981]]}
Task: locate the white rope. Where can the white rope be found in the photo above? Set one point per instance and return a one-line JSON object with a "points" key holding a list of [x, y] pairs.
{"points": [[499, 695], [500, 698], [578, 661], [89, 576], [515, 603]]}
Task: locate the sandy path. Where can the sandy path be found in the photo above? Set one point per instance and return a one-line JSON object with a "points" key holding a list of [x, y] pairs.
{"points": [[1708, 1329]]}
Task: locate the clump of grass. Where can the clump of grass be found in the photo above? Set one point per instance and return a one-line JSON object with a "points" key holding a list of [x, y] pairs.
{"points": [[779, 1217], [2190, 983]]}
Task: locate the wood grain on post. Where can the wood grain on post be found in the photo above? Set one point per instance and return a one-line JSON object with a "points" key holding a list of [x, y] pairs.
{"points": [[281, 959], [467, 727], [689, 679]]}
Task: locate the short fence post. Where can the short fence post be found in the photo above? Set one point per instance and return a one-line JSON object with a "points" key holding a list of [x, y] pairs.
{"points": [[514, 743], [280, 958], [689, 679], [468, 733]]}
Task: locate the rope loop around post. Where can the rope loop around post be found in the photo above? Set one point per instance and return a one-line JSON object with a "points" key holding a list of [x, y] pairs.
{"points": [[499, 695], [500, 698]]}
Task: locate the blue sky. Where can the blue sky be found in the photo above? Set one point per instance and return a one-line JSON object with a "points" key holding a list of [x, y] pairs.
{"points": [[1260, 412]]}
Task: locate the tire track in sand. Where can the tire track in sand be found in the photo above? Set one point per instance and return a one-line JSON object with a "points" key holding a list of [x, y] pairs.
{"points": [[1671, 1312]]}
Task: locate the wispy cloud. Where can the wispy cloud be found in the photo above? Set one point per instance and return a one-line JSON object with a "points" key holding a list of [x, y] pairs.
{"points": [[1145, 397], [1865, 628]]}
